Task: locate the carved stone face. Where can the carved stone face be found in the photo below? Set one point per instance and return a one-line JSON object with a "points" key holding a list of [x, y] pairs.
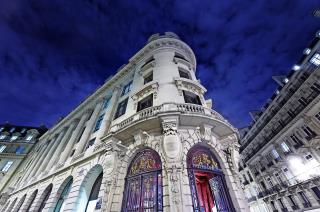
{"points": [[172, 146]]}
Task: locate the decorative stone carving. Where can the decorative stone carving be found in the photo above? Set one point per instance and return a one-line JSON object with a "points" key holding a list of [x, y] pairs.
{"points": [[151, 87], [174, 178], [169, 128], [189, 85], [171, 141]]}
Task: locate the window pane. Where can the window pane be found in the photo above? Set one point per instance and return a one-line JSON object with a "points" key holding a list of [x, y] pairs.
{"points": [[121, 108], [145, 103], [191, 98]]}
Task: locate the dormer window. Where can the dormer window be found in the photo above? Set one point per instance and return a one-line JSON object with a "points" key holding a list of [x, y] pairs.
{"points": [[184, 73], [14, 137], [23, 130], [2, 137], [2, 148], [148, 78], [126, 88], [315, 59], [12, 129], [29, 137], [191, 98]]}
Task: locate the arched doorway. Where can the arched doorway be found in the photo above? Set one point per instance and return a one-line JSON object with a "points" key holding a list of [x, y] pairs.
{"points": [[44, 197], [207, 183], [66, 187], [31, 199], [143, 187], [88, 199]]}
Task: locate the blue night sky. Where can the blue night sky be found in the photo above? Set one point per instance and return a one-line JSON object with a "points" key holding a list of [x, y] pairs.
{"points": [[55, 53]]}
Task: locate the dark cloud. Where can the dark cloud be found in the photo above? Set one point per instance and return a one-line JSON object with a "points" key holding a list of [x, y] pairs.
{"points": [[55, 53]]}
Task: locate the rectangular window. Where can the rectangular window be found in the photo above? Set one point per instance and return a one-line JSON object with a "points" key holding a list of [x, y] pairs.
{"points": [[98, 123], [306, 202], [29, 137], [306, 129], [315, 59], [317, 116], [285, 147], [292, 201], [7, 166], [148, 78], [145, 103], [12, 129], [106, 103], [2, 137], [296, 140], [126, 89], [275, 155], [19, 150], [281, 203], [316, 191], [184, 74], [14, 137], [2, 148], [191, 98], [91, 143], [122, 106]]}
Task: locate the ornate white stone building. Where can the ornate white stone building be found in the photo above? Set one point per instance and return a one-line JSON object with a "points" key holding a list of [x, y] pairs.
{"points": [[147, 140], [280, 151]]}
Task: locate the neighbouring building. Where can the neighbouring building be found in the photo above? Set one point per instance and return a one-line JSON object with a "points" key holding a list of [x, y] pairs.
{"points": [[146, 140], [280, 150], [15, 143]]}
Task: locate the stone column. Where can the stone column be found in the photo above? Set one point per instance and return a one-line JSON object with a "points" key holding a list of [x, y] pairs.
{"points": [[74, 136], [108, 116], [36, 156], [37, 162], [49, 153], [61, 145], [90, 124]]}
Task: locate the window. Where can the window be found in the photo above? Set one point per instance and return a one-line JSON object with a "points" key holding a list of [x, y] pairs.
{"points": [[306, 202], [106, 103], [12, 129], [275, 155], [145, 103], [126, 88], [318, 116], [281, 203], [122, 106], [93, 198], [2, 148], [270, 182], [72, 153], [315, 59], [296, 140], [20, 150], [2, 137], [148, 78], [273, 205], [29, 137], [285, 147], [309, 156], [23, 130], [316, 191], [184, 74], [285, 169], [64, 194], [292, 201], [45, 197], [14, 137], [191, 98], [98, 123], [308, 131], [90, 143], [7, 166], [82, 131]]}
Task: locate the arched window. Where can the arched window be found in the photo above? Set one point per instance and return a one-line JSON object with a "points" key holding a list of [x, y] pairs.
{"points": [[12, 205], [64, 194], [143, 188], [93, 198], [17, 208], [31, 199], [207, 183], [44, 198]]}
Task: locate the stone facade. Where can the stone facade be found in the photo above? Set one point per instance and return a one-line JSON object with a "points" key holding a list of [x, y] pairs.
{"points": [[15, 143], [280, 151], [153, 103]]}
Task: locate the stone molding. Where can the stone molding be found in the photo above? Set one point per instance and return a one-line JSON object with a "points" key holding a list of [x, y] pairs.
{"points": [[189, 85], [151, 87]]}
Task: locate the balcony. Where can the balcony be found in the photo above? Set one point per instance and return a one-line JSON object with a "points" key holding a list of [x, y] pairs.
{"points": [[198, 112], [297, 111]]}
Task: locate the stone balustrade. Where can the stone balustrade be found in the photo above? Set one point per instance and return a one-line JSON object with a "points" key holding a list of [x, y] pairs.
{"points": [[169, 107]]}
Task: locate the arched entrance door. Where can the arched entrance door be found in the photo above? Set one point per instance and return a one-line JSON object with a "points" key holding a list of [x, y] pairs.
{"points": [[143, 188], [207, 183]]}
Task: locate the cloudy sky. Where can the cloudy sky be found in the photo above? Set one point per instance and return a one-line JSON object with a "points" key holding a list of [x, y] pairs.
{"points": [[54, 53]]}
